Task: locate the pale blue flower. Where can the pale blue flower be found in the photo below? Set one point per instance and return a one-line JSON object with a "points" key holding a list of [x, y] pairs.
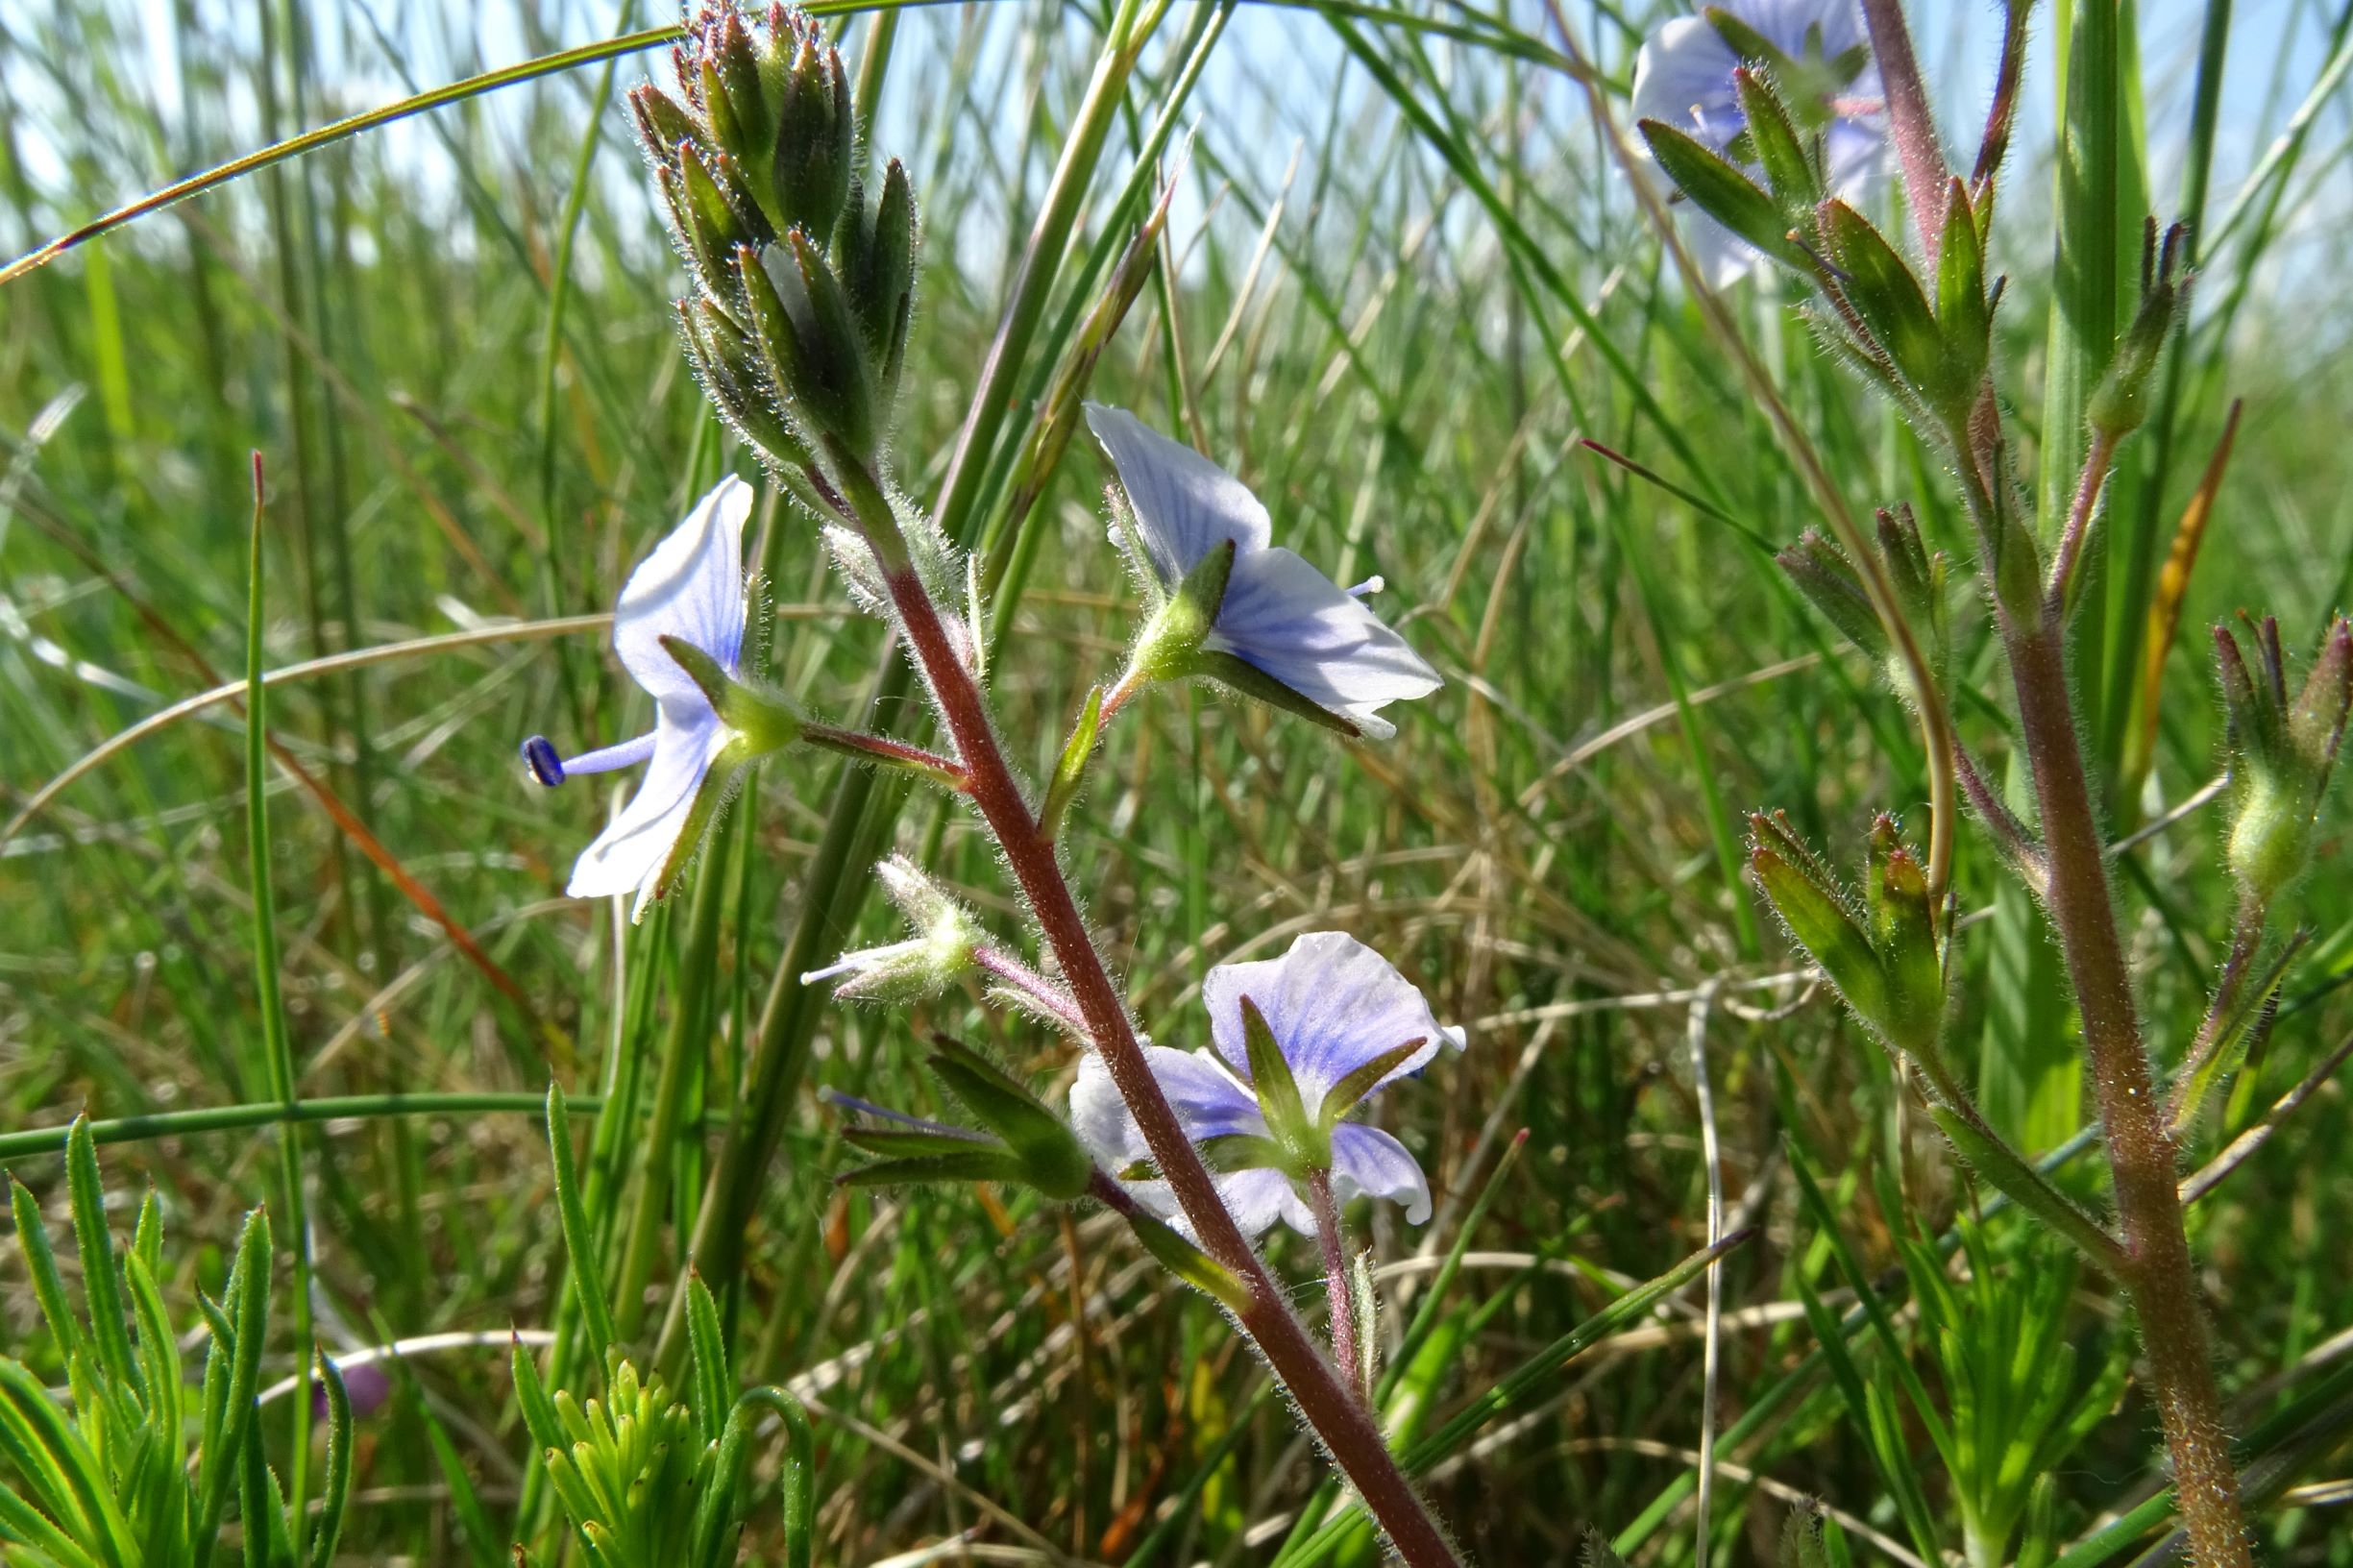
{"points": [[1278, 616], [1336, 1009], [691, 589], [1683, 77]]}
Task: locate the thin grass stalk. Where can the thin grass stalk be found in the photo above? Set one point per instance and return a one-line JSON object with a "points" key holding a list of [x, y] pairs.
{"points": [[277, 1052]]}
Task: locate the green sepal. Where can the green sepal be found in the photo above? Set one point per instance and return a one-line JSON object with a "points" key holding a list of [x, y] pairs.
{"points": [[1189, 1263], [1791, 172], [1048, 1153], [1170, 646], [763, 722], [875, 249], [1723, 193], [1342, 1096], [978, 1165], [912, 1142], [1227, 1152], [663, 127], [1964, 314], [1070, 769], [1239, 674], [1807, 899], [1879, 284], [711, 226], [1304, 1141]]}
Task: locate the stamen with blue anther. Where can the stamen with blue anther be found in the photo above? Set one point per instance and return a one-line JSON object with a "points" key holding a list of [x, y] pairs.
{"points": [[539, 756]]}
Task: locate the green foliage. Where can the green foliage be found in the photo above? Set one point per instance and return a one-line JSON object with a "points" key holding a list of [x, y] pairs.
{"points": [[116, 1481]]}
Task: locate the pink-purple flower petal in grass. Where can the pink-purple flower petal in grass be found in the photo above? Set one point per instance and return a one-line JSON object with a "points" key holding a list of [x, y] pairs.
{"points": [[1683, 77], [1279, 615], [691, 589]]}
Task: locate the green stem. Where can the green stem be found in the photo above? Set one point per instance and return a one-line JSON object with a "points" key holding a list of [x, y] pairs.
{"points": [[237, 1119]]}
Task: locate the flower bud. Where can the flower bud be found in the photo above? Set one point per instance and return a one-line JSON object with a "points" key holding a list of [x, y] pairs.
{"points": [[936, 956], [811, 346], [727, 363], [816, 135], [875, 249], [2281, 754], [1903, 932], [2120, 402], [1821, 571]]}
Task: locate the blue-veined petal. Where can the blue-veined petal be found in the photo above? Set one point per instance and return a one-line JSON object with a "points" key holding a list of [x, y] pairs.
{"points": [[1315, 637], [1333, 1005], [1185, 504], [631, 852], [692, 588], [1367, 1159]]}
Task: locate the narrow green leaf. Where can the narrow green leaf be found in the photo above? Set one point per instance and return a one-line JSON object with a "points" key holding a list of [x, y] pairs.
{"points": [[335, 1487], [579, 1242]]}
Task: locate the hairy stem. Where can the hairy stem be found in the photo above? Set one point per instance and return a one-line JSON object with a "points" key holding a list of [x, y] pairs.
{"points": [[1910, 124], [1315, 1386], [1337, 1289], [2155, 1264]]}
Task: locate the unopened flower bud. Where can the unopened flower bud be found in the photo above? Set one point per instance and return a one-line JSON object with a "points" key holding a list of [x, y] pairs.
{"points": [[2281, 754], [816, 135], [2120, 402], [1903, 932], [1821, 571], [812, 347], [875, 249]]}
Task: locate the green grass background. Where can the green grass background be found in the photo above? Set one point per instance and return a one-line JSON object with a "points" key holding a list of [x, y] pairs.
{"points": [[1406, 283]]}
